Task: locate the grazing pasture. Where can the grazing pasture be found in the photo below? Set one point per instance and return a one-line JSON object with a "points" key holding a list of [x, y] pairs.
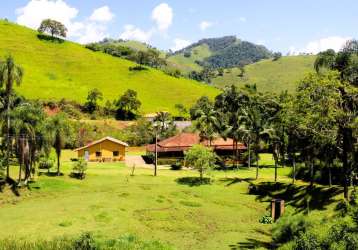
{"points": [[171, 208]]}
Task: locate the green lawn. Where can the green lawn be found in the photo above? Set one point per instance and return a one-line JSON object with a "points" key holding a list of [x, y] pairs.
{"points": [[110, 202], [68, 70]]}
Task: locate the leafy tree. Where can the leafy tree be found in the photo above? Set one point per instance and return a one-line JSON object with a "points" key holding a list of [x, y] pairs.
{"points": [[204, 104], [10, 73], [128, 105], [276, 56], [93, 96], [183, 112], [53, 27], [59, 128], [346, 63], [200, 158]]}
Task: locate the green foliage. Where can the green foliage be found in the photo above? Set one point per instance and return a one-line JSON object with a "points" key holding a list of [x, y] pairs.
{"points": [[266, 219], [46, 163], [86, 241], [200, 158], [288, 227], [93, 97], [128, 105], [53, 27], [79, 168], [306, 241]]}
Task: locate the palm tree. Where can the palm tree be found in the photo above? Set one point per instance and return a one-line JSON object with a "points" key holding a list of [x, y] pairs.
{"points": [[59, 130], [207, 124], [10, 73]]}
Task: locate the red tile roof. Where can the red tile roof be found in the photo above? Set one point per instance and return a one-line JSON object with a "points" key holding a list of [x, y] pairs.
{"points": [[184, 141]]}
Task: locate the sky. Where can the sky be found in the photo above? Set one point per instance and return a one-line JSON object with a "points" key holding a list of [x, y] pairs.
{"points": [[295, 26]]}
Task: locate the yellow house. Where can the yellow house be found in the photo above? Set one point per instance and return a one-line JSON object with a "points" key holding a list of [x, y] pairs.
{"points": [[103, 150]]}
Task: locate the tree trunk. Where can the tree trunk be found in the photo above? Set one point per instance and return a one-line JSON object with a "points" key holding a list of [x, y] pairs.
{"points": [[347, 147], [329, 175], [257, 167], [233, 153], [275, 171], [311, 172], [249, 162], [294, 170], [58, 164], [8, 136]]}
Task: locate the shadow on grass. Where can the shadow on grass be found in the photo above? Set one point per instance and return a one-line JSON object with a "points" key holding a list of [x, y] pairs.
{"points": [[252, 243], [235, 180], [50, 174], [193, 181], [301, 197], [45, 37]]}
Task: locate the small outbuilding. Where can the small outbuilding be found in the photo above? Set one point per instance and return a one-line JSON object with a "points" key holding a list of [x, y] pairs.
{"points": [[106, 149]]}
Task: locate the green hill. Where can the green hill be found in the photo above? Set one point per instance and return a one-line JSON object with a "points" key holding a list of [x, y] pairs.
{"points": [[223, 52], [268, 75], [68, 70]]}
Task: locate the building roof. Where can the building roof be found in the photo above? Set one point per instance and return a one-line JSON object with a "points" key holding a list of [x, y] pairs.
{"points": [[184, 141], [101, 140]]}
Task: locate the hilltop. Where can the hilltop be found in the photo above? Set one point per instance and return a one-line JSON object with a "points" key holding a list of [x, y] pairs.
{"points": [[223, 52], [269, 75], [68, 70]]}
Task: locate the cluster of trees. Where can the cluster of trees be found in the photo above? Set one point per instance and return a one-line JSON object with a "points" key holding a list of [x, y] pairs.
{"points": [[150, 57], [317, 126], [27, 133]]}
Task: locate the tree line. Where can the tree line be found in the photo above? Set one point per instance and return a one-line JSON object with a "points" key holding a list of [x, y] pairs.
{"points": [[316, 126]]}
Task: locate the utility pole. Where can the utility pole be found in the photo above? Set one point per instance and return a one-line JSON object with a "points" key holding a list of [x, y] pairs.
{"points": [[156, 154]]}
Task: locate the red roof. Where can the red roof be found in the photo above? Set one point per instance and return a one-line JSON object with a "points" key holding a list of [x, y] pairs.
{"points": [[184, 141]]}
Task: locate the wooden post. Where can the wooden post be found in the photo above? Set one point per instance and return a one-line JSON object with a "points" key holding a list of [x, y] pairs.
{"points": [[277, 208], [156, 154]]}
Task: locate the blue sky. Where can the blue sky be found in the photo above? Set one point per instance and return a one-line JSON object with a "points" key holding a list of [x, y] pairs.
{"points": [[281, 25]]}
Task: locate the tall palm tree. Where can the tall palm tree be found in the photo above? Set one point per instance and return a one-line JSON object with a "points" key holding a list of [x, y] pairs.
{"points": [[10, 73], [207, 124], [59, 130]]}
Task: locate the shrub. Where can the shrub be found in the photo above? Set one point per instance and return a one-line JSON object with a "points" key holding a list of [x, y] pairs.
{"points": [[79, 169], [306, 241], [46, 163], [85, 242], [266, 219], [288, 227]]}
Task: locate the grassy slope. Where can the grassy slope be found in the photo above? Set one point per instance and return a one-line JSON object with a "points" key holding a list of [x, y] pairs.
{"points": [[187, 64], [67, 70], [270, 76]]}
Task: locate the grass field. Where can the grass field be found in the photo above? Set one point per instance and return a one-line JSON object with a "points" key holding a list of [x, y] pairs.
{"points": [[67, 70], [110, 202], [268, 75]]}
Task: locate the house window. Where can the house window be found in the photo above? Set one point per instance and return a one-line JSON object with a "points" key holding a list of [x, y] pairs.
{"points": [[115, 153], [98, 154]]}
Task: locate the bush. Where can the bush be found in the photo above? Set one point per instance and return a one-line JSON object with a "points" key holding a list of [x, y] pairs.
{"points": [[85, 242], [306, 241], [288, 227], [266, 219], [46, 163], [79, 169]]}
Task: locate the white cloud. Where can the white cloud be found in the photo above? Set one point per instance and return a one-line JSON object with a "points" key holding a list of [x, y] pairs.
{"points": [[180, 44], [102, 14], [35, 11], [134, 33], [334, 42], [204, 25], [88, 30], [163, 16], [243, 19]]}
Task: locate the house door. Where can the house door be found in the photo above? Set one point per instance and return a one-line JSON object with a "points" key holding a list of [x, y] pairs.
{"points": [[86, 155]]}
